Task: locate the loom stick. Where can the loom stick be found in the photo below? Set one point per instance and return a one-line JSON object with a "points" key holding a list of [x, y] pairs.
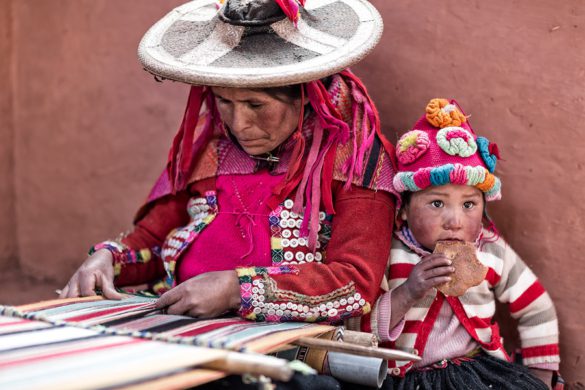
{"points": [[336, 346], [359, 338], [255, 364]]}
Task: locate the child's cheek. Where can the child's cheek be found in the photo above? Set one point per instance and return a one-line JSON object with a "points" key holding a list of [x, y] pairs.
{"points": [[425, 227]]}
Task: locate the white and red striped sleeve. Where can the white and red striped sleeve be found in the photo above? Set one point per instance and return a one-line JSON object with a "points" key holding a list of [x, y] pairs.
{"points": [[531, 305]]}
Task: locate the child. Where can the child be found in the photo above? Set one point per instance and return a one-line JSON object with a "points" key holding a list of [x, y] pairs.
{"points": [[445, 176]]}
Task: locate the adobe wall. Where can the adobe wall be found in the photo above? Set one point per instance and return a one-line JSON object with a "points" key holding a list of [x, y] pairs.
{"points": [[518, 68], [91, 130], [8, 247]]}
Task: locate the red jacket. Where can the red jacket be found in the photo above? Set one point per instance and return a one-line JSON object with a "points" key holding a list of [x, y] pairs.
{"points": [[340, 280]]}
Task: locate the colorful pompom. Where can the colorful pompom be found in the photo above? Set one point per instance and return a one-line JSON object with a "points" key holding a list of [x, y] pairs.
{"points": [[440, 113], [411, 146], [488, 152], [456, 141]]}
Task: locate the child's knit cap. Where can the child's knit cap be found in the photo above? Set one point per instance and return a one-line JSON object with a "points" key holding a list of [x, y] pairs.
{"points": [[443, 149]]}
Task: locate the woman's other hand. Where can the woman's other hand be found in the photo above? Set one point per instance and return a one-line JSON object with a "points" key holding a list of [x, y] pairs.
{"points": [[97, 271], [204, 296]]}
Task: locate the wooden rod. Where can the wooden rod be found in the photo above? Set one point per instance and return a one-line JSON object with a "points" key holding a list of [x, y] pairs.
{"points": [[251, 363], [337, 346], [359, 338]]}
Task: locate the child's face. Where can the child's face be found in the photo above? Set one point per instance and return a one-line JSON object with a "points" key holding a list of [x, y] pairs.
{"points": [[449, 212]]}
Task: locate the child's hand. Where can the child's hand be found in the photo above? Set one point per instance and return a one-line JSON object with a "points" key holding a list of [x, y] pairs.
{"points": [[432, 270]]}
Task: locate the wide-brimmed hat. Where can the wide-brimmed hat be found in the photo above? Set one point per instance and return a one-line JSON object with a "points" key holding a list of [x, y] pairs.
{"points": [[233, 45], [442, 148]]}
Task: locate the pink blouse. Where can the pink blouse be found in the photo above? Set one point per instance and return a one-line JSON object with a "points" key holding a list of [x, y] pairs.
{"points": [[242, 223]]}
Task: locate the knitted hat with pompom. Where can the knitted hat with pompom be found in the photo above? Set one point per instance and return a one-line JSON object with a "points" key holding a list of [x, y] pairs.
{"points": [[442, 148]]}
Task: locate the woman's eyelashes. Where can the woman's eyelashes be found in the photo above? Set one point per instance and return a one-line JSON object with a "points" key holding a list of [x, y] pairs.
{"points": [[254, 105]]}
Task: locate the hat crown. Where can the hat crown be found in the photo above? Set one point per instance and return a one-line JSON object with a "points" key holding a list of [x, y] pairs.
{"points": [[251, 12], [247, 48]]}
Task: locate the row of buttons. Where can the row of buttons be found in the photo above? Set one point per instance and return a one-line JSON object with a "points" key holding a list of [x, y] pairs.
{"points": [[300, 256]]}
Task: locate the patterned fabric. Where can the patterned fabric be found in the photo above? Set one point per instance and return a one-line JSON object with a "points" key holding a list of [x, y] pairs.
{"points": [[124, 255], [115, 344], [136, 316], [288, 246], [509, 280], [263, 301], [202, 211], [328, 297]]}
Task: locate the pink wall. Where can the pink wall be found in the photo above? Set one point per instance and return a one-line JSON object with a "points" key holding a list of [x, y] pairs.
{"points": [[85, 131], [519, 69], [8, 247]]}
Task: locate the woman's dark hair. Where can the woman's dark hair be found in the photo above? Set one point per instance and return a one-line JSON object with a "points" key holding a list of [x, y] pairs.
{"points": [[287, 93]]}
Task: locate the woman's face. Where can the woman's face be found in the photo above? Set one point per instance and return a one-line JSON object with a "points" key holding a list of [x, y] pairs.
{"points": [[258, 121], [449, 212]]}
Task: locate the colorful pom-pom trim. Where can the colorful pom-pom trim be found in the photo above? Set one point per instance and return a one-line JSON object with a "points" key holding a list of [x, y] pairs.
{"points": [[440, 113], [456, 141], [478, 177], [485, 152], [411, 146]]}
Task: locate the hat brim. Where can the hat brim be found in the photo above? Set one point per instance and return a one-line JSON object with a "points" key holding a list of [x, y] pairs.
{"points": [[192, 45]]}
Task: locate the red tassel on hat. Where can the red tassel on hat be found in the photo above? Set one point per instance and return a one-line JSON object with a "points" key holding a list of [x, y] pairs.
{"points": [[493, 149]]}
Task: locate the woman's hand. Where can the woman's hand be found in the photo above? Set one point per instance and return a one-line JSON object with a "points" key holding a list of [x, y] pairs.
{"points": [[204, 296], [543, 375], [431, 271], [97, 271]]}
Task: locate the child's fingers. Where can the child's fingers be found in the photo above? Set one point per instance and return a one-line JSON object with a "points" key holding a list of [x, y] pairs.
{"points": [[434, 261], [439, 271], [439, 280]]}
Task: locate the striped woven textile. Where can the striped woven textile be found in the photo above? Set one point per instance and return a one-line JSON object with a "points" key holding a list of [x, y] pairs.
{"points": [[93, 343]]}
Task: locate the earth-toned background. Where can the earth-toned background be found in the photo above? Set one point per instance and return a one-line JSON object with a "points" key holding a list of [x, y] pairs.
{"points": [[84, 131]]}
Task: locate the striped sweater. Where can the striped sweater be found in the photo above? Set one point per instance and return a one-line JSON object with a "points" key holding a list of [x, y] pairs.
{"points": [[508, 279]]}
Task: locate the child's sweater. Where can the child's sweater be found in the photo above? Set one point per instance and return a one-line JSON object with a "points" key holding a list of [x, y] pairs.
{"points": [[508, 279]]}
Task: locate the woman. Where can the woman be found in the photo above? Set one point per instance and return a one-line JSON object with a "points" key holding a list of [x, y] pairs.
{"points": [[277, 199]]}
